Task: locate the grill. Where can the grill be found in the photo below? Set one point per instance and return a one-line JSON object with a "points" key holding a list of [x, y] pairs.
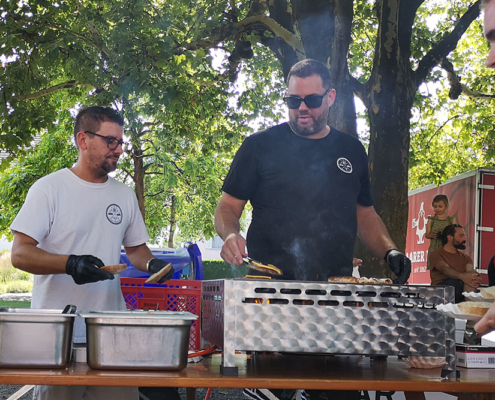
{"points": [[327, 318]]}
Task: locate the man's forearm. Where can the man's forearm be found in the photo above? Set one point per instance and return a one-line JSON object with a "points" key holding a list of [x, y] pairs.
{"points": [[470, 268], [226, 221], [36, 261], [139, 256], [373, 232], [449, 272]]}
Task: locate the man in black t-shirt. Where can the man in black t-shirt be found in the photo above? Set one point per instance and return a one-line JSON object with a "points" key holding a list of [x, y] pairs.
{"points": [[309, 188]]}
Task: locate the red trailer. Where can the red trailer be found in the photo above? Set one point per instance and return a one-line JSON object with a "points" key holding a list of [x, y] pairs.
{"points": [[472, 203]]}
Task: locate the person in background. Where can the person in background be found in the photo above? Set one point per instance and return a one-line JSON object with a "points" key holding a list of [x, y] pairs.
{"points": [[491, 271], [487, 323], [451, 267], [73, 222], [309, 187], [437, 223]]}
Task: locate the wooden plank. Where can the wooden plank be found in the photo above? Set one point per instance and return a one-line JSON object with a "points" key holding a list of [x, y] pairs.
{"points": [[272, 372]]}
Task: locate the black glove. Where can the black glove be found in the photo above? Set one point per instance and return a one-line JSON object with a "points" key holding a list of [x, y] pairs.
{"points": [[86, 269], [399, 264], [155, 265]]}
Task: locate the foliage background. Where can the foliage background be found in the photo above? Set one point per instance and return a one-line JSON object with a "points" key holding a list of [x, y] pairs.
{"points": [[215, 269], [13, 280], [194, 79]]}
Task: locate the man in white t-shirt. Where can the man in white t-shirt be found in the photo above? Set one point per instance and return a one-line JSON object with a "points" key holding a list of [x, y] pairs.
{"points": [[73, 222]]}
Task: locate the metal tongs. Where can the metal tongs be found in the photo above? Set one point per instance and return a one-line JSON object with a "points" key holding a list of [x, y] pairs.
{"points": [[69, 309], [259, 266], [247, 260]]}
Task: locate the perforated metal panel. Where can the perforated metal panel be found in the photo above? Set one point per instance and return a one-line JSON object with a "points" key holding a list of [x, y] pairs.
{"points": [[319, 317]]}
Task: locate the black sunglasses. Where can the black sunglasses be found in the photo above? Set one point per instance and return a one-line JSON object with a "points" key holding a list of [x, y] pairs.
{"points": [[112, 143], [311, 101]]}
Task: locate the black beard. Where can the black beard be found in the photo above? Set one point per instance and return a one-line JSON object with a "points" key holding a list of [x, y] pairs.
{"points": [[460, 246], [318, 125]]}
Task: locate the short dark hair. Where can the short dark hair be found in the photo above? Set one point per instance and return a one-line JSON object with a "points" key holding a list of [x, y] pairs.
{"points": [[484, 3], [440, 197], [308, 67], [449, 231], [90, 119]]}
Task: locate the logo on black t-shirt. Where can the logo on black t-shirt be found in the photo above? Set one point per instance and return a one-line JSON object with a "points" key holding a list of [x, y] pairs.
{"points": [[114, 214], [344, 165]]}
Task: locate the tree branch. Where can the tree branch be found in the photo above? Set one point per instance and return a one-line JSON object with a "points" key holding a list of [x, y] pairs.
{"points": [[249, 23], [93, 41], [291, 39], [439, 129], [360, 91], [447, 44], [456, 87], [407, 14], [53, 89]]}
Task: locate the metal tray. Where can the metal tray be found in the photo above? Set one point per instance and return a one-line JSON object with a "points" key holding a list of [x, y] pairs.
{"points": [[35, 338], [138, 340]]}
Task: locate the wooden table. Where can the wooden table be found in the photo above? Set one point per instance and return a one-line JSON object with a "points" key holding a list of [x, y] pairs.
{"points": [[273, 372]]}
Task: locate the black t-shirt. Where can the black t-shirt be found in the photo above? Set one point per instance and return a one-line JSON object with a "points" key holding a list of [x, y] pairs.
{"points": [[304, 194]]}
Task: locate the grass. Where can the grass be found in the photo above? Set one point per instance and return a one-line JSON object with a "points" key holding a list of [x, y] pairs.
{"points": [[13, 280], [15, 304]]}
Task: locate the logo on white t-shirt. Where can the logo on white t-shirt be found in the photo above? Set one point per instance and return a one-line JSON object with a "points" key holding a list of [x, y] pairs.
{"points": [[344, 165], [114, 214]]}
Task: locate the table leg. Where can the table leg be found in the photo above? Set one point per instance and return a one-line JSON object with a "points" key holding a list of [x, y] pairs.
{"points": [[414, 395], [190, 393]]}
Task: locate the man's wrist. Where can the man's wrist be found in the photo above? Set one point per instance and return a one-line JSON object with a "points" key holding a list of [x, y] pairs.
{"points": [[148, 263], [388, 252]]}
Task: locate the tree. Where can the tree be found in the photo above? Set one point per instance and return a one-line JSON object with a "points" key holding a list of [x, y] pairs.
{"points": [[137, 56], [401, 52], [53, 152], [152, 59]]}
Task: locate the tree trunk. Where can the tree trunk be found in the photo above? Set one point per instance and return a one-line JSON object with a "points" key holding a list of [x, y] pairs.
{"points": [[173, 222], [325, 31], [286, 55], [390, 94], [343, 113], [139, 181]]}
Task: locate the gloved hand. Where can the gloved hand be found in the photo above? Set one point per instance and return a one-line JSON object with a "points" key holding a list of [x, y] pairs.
{"points": [[155, 265], [86, 269], [399, 264]]}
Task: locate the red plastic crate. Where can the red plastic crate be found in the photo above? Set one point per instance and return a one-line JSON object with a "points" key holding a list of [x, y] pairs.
{"points": [[173, 295]]}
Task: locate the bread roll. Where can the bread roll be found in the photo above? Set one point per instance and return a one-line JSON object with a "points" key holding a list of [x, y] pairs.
{"points": [[115, 268], [158, 275], [342, 279], [474, 307], [369, 281], [488, 293]]}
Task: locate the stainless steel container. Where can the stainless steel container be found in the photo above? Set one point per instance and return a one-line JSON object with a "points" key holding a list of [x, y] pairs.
{"points": [[327, 318], [137, 339], [35, 338]]}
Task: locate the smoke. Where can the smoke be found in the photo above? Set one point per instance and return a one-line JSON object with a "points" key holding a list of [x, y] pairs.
{"points": [[298, 248]]}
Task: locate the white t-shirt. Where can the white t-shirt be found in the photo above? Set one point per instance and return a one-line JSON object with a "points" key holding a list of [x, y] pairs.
{"points": [[67, 215]]}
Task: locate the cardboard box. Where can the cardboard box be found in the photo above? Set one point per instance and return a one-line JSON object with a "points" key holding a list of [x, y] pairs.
{"points": [[488, 339], [475, 356], [460, 324]]}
